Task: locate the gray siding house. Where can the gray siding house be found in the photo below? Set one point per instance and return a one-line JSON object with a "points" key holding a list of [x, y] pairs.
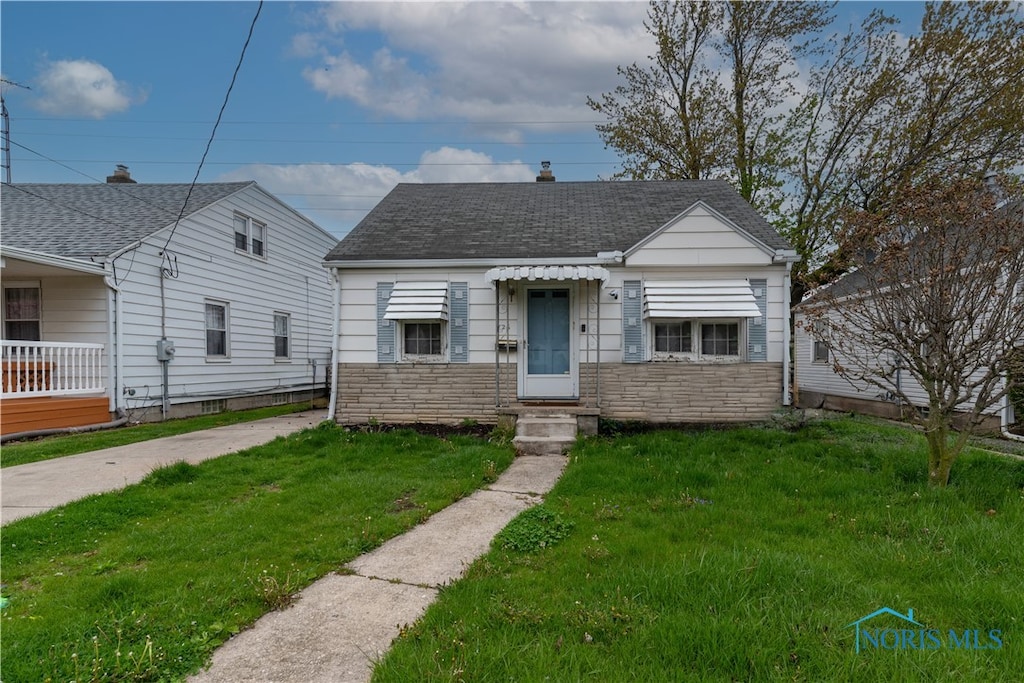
{"points": [[655, 301]]}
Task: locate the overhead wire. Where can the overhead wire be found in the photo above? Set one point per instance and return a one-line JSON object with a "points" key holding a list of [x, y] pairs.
{"points": [[213, 133]]}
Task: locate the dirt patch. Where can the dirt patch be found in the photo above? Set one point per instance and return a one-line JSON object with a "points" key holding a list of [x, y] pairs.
{"points": [[441, 431]]}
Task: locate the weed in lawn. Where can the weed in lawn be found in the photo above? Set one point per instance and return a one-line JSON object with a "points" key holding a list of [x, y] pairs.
{"points": [[277, 591], [536, 528]]}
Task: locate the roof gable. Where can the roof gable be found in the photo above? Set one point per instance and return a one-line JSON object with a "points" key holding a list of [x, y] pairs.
{"points": [[86, 220], [510, 221]]}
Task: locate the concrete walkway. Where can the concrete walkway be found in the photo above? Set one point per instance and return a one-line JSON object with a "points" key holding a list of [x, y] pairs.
{"points": [[39, 486], [342, 624]]}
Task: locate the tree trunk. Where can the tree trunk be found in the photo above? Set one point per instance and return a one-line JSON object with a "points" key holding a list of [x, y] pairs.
{"points": [[940, 455]]}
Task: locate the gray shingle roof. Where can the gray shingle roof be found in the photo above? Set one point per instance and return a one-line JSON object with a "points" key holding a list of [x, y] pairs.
{"points": [[85, 220], [534, 220]]}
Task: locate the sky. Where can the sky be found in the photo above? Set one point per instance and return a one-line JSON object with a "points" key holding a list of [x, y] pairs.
{"points": [[333, 104]]}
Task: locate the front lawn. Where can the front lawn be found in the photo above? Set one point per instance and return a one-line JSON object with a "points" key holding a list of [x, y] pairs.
{"points": [[743, 555], [143, 584]]}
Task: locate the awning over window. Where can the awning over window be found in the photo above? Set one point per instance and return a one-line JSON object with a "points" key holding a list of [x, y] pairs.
{"points": [[700, 299], [418, 301], [504, 273]]}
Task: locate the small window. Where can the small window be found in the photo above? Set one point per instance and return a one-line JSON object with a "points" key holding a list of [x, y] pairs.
{"points": [[22, 313], [216, 330], [720, 339], [282, 337], [250, 236], [421, 339], [241, 233], [820, 352], [673, 337]]}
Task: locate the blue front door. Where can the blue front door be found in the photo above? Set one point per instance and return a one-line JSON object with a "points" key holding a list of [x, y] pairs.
{"points": [[550, 371]]}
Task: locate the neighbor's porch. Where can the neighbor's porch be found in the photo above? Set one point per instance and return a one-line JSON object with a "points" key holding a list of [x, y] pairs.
{"points": [[50, 385]]}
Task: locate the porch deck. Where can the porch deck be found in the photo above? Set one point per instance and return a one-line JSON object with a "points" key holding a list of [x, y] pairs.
{"points": [[51, 412]]}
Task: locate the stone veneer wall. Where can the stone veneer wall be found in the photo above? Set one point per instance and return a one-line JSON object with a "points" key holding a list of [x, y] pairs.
{"points": [[652, 392]]}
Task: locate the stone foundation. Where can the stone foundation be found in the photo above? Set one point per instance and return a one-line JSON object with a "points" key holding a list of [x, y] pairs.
{"points": [[647, 392]]}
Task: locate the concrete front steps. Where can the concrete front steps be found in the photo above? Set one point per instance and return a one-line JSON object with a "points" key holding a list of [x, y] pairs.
{"points": [[545, 433]]}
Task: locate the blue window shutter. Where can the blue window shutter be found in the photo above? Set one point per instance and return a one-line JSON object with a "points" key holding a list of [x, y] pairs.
{"points": [[385, 328], [458, 322], [757, 328], [632, 322]]}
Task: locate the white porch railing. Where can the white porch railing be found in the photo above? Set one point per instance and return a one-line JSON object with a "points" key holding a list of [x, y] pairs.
{"points": [[36, 369]]}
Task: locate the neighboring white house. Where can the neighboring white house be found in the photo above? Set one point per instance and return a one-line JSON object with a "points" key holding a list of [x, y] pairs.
{"points": [[105, 290], [817, 359], [661, 301]]}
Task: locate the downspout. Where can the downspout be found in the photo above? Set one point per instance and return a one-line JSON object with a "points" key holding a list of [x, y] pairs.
{"points": [[115, 338], [787, 315], [335, 343]]}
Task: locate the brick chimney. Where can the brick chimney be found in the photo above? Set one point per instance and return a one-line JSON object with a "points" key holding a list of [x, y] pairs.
{"points": [[121, 175], [545, 173]]}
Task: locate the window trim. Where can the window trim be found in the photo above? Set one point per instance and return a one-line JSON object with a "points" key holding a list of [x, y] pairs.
{"points": [[23, 284], [404, 357], [696, 353], [249, 223], [215, 358], [287, 335], [816, 346]]}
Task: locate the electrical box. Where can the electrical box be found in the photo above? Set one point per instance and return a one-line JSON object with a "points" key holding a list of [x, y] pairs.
{"points": [[164, 350]]}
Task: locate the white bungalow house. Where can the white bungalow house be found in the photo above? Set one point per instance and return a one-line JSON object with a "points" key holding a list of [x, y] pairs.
{"points": [[119, 300], [660, 301]]}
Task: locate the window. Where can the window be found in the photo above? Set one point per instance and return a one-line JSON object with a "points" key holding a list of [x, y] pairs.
{"points": [[22, 312], [422, 339], [720, 339], [250, 236], [820, 352], [282, 326], [673, 337], [216, 329]]}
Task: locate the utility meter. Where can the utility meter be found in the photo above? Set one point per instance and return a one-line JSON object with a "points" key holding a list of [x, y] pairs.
{"points": [[164, 350]]}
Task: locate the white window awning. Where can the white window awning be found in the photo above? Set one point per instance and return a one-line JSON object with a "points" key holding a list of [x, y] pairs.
{"points": [[504, 273], [418, 301], [700, 299]]}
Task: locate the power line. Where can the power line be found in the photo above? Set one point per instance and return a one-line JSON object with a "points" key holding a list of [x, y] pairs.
{"points": [[213, 133]]}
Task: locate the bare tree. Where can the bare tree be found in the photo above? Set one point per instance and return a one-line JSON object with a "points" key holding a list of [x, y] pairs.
{"points": [[723, 97], [935, 297]]}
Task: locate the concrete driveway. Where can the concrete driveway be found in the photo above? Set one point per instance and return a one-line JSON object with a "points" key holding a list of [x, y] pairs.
{"points": [[39, 486]]}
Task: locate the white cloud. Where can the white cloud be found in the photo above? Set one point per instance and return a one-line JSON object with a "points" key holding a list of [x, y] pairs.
{"points": [[480, 61], [82, 88], [338, 196]]}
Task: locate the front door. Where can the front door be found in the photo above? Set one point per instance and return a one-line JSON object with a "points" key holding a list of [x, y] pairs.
{"points": [[550, 367]]}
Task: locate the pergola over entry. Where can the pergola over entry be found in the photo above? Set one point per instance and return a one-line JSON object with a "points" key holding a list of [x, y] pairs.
{"points": [[504, 278]]}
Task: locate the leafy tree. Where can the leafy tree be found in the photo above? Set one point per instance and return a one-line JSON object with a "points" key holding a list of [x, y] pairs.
{"points": [[723, 96], [937, 297]]}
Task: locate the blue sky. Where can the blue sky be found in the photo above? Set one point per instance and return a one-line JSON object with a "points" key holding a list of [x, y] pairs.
{"points": [[334, 104]]}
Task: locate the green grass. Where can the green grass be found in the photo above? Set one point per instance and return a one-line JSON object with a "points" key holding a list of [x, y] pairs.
{"points": [[740, 555], [57, 446], [144, 583]]}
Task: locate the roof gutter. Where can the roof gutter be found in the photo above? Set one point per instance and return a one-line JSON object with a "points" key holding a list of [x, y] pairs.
{"points": [[52, 260]]}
